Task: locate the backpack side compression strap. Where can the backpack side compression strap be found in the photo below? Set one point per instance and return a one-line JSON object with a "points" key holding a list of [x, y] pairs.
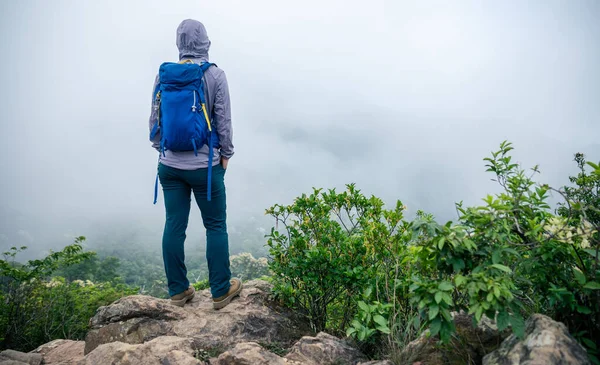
{"points": [[205, 67]]}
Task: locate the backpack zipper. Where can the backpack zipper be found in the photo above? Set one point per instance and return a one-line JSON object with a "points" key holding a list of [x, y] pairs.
{"points": [[194, 105]]}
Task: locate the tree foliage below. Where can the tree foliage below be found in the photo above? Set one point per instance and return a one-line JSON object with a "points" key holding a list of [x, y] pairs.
{"points": [[352, 265]]}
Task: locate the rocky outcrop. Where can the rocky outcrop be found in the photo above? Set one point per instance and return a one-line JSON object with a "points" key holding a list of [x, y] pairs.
{"points": [[469, 345], [249, 353], [254, 331], [11, 357], [546, 342], [251, 317], [323, 349], [164, 350], [61, 352]]}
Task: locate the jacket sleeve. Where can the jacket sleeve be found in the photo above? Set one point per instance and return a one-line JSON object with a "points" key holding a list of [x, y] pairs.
{"points": [[222, 117], [153, 119]]}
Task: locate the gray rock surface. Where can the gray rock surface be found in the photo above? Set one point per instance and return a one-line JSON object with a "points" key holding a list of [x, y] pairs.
{"points": [[164, 350], [11, 357], [324, 349], [61, 352], [249, 353], [546, 342], [251, 317]]}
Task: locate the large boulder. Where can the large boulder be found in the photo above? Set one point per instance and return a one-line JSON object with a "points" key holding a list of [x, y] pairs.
{"points": [[164, 350], [249, 318], [11, 357], [133, 319], [324, 349], [249, 353], [546, 342], [61, 352]]}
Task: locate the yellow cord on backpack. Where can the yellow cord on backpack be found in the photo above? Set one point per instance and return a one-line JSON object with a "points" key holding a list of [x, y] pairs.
{"points": [[203, 106], [206, 116]]}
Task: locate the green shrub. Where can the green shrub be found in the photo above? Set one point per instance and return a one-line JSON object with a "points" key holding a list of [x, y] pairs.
{"points": [[506, 259], [37, 307], [321, 257], [201, 285], [246, 267]]}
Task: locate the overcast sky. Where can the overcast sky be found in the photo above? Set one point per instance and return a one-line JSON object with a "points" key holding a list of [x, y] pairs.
{"points": [[403, 98]]}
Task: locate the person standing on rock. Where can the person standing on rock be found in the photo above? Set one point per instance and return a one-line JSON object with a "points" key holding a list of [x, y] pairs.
{"points": [[190, 126]]}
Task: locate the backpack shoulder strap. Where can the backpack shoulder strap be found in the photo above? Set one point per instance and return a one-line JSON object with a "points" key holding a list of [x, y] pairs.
{"points": [[206, 65]]}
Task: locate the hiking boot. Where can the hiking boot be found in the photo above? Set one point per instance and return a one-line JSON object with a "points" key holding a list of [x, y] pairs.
{"points": [[234, 291], [182, 298]]}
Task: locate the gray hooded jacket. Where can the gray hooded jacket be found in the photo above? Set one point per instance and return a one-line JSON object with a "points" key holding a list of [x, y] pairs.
{"points": [[193, 44]]}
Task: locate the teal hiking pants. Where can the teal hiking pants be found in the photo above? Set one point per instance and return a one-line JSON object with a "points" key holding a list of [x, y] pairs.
{"points": [[178, 186]]}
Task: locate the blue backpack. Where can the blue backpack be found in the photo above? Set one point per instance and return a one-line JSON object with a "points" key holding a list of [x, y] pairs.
{"points": [[182, 117]]}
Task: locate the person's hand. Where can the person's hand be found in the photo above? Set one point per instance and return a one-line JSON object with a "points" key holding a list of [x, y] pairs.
{"points": [[224, 162]]}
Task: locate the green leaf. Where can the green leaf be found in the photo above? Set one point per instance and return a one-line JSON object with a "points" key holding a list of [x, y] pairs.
{"points": [[380, 320], [589, 343], [459, 280], [385, 330], [518, 325], [496, 257], [458, 264], [579, 276], [592, 285], [445, 286], [368, 292], [497, 292], [350, 331], [435, 326], [583, 309], [441, 243], [478, 313], [593, 165], [447, 298], [416, 322], [438, 297], [363, 306], [502, 320], [445, 334], [434, 310], [413, 287], [356, 323], [502, 267], [362, 334], [446, 314]]}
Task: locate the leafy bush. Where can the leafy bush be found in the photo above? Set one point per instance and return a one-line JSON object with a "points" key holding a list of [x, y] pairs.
{"points": [[510, 257], [372, 318], [320, 261], [201, 285], [246, 267], [37, 307]]}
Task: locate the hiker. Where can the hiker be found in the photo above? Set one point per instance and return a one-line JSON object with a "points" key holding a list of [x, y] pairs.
{"points": [[190, 112]]}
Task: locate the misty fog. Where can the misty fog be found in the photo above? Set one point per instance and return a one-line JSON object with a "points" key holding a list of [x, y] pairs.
{"points": [[403, 98]]}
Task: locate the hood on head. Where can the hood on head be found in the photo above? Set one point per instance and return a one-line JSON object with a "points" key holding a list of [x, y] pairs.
{"points": [[192, 40]]}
